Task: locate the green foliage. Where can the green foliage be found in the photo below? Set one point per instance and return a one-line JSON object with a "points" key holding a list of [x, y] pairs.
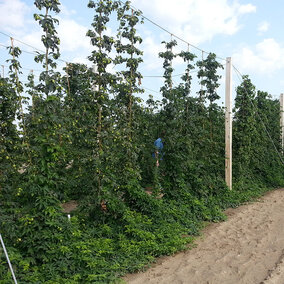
{"points": [[50, 38], [256, 136], [86, 137], [209, 78]]}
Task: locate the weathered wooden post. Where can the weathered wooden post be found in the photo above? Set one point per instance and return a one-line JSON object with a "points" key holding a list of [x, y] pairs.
{"points": [[228, 124]]}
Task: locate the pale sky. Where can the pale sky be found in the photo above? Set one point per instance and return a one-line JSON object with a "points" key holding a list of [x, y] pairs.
{"points": [[249, 31]]}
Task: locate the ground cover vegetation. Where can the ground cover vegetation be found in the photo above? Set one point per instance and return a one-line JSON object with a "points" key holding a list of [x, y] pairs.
{"points": [[86, 136]]}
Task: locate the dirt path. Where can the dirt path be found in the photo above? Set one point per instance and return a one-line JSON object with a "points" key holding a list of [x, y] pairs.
{"points": [[246, 249]]}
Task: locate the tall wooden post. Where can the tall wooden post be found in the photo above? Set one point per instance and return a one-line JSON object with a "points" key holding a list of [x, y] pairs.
{"points": [[282, 119], [228, 123]]}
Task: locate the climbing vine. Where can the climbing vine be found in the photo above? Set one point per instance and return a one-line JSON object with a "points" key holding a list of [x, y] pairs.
{"points": [[84, 195]]}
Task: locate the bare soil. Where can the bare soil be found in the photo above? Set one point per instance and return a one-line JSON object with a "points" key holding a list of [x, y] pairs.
{"points": [[248, 248]]}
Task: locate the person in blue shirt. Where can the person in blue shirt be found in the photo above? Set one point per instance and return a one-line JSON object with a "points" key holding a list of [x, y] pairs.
{"points": [[158, 154]]}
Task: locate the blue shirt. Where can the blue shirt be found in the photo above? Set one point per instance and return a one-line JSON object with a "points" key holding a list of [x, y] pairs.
{"points": [[158, 146]]}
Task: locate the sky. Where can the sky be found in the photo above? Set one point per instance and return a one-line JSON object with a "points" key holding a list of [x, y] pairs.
{"points": [[249, 31]]}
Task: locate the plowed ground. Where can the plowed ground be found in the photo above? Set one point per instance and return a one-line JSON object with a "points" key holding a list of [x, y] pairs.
{"points": [[248, 248]]}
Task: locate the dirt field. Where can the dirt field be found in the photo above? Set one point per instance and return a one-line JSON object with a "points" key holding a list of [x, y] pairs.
{"points": [[246, 249]]}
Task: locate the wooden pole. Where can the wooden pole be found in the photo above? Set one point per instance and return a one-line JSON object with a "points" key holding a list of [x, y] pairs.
{"points": [[228, 124], [282, 119]]}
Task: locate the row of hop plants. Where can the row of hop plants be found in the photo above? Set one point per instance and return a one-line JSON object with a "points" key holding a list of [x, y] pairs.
{"points": [[87, 137]]}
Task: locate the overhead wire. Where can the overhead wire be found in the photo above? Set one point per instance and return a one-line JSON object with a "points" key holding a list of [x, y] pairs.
{"points": [[24, 43], [24, 51], [162, 76], [33, 47], [150, 90], [25, 68], [172, 34]]}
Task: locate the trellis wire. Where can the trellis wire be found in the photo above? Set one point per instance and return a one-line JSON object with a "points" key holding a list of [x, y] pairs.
{"points": [[172, 34]]}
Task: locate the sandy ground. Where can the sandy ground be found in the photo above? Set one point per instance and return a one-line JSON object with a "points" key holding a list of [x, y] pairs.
{"points": [[247, 248]]}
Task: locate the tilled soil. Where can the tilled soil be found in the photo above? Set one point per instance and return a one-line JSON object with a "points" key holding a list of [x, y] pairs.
{"points": [[248, 248]]}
